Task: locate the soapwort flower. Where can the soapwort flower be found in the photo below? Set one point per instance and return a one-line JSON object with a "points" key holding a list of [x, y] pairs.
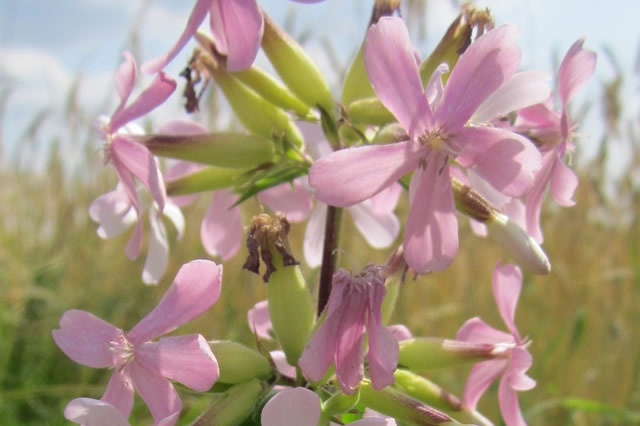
{"points": [[145, 365], [507, 283], [436, 123], [354, 307]]}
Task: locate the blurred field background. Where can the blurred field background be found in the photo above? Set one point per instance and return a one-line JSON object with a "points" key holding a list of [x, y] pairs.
{"points": [[583, 318]]}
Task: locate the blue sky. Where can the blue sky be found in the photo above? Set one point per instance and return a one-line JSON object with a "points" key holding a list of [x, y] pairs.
{"points": [[45, 45]]}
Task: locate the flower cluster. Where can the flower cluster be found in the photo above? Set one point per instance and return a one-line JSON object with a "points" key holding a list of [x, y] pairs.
{"points": [[463, 131]]}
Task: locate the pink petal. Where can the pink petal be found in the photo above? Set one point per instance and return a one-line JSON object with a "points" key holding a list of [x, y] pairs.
{"points": [[577, 67], [349, 359], [507, 283], [481, 376], [385, 201], [314, 236], [379, 230], [283, 367], [157, 253], [242, 31], [126, 76], [135, 242], [383, 346], [477, 331], [259, 320], [521, 361], [198, 14], [158, 92], [174, 214], [185, 359], [563, 183], [320, 352], [119, 393], [352, 175], [86, 339], [295, 406], [535, 196], [221, 228], [156, 391], [136, 159], [195, 289], [393, 72], [490, 61], [315, 139], [400, 332], [292, 199], [431, 233], [509, 406], [181, 126], [522, 90], [113, 212], [505, 159], [93, 412]]}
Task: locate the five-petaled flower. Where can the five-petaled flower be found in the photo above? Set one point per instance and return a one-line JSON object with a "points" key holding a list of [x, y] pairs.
{"points": [[507, 283], [436, 121], [142, 364], [128, 157], [354, 306]]}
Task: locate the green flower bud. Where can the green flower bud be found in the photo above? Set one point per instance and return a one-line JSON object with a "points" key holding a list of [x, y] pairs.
{"points": [[340, 403], [238, 363], [225, 149], [370, 111], [428, 353], [295, 67]]}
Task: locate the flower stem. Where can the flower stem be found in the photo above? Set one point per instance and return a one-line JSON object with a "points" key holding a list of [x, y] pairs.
{"points": [[329, 255]]}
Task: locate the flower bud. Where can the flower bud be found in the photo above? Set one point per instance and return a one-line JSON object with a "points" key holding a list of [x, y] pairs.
{"points": [[295, 68], [273, 91], [205, 179], [396, 404], [225, 149], [238, 363], [520, 245], [370, 111], [290, 306], [340, 403], [428, 353]]}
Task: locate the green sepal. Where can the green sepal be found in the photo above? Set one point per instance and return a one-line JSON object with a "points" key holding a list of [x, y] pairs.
{"points": [[264, 179], [428, 353], [233, 406]]}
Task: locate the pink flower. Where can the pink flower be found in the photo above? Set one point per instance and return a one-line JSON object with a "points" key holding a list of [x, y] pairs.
{"points": [[115, 214], [236, 27], [302, 407], [436, 123], [553, 131], [138, 362], [507, 283], [129, 158], [354, 305]]}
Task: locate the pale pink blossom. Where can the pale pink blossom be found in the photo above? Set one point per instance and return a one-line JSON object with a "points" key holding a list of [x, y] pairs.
{"points": [[436, 121], [554, 131], [302, 407], [129, 158], [507, 283], [145, 365], [354, 307], [114, 213]]}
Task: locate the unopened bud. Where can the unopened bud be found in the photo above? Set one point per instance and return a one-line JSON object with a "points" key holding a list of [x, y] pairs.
{"points": [[340, 403], [428, 353], [238, 363], [225, 149], [295, 67], [520, 245], [205, 179], [370, 111], [233, 406], [390, 133]]}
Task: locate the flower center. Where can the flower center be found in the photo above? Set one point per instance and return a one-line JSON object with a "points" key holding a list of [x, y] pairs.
{"points": [[122, 352]]}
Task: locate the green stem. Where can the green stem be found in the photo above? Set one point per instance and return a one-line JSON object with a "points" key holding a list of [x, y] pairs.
{"points": [[329, 255]]}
